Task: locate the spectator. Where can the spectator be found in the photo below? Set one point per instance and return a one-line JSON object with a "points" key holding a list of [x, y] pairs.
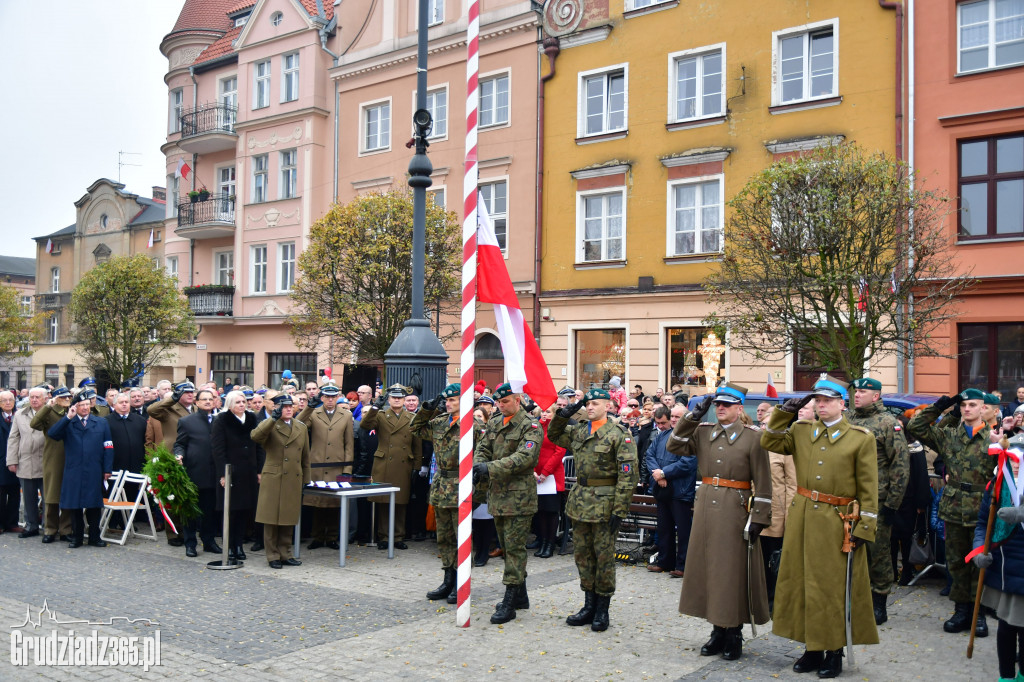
{"points": [[352, 401], [231, 443], [25, 459], [617, 393], [56, 521], [193, 448], [764, 410], [1012, 407], [313, 393], [416, 513], [10, 487], [128, 435], [549, 464], [137, 402], [668, 400], [783, 492], [911, 516], [673, 480]]}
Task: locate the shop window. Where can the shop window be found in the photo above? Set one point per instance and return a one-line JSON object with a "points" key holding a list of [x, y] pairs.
{"points": [[231, 368], [302, 366], [991, 357], [685, 364], [600, 355]]}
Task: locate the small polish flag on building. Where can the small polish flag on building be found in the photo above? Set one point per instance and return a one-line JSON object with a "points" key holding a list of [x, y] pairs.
{"points": [[770, 389], [150, 245], [49, 246], [183, 169]]}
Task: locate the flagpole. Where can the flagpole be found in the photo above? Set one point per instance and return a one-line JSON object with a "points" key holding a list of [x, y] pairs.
{"points": [[469, 196]]}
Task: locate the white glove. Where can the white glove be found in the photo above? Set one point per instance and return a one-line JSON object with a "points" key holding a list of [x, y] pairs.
{"points": [[423, 472]]}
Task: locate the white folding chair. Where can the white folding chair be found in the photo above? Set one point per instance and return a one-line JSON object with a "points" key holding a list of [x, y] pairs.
{"points": [[117, 501]]}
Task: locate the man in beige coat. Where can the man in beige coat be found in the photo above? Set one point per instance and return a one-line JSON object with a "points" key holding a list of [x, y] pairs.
{"points": [[25, 459], [331, 448]]}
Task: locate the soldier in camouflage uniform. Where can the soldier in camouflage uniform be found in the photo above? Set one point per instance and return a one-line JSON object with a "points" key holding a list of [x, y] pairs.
{"points": [[964, 449], [443, 431], [607, 471], [505, 455], [893, 476]]}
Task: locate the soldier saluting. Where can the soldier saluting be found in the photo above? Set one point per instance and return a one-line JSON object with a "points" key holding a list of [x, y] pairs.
{"points": [[607, 472]]}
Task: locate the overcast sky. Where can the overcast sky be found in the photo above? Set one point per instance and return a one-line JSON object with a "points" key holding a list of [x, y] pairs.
{"points": [[84, 80]]}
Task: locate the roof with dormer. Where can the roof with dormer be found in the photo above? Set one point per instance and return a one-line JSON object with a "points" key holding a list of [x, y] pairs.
{"points": [[204, 15]]}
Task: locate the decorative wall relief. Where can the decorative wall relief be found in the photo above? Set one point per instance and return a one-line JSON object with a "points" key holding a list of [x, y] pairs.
{"points": [[274, 140]]}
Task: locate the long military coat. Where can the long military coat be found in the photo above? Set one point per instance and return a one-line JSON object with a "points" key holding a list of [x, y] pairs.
{"points": [[715, 587], [53, 452], [443, 432], [510, 451], [330, 440], [398, 450], [810, 595], [609, 453], [168, 412], [285, 471]]}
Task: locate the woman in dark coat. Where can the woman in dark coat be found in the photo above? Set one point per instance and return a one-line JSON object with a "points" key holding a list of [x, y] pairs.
{"points": [[232, 444]]}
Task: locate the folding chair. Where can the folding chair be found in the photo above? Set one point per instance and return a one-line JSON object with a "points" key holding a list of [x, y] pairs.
{"points": [[117, 501], [569, 464]]}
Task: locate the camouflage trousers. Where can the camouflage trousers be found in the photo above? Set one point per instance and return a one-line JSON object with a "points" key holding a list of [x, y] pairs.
{"points": [[959, 543], [880, 559], [594, 551], [447, 519], [512, 532]]}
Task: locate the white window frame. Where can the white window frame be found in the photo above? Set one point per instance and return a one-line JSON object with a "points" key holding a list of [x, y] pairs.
{"points": [[286, 268], [434, 190], [571, 330], [581, 99], [643, 4], [670, 223], [673, 82], [173, 187], [53, 329], [261, 84], [289, 77], [990, 44], [228, 98], [255, 266], [225, 189], [435, 12], [432, 94], [805, 30], [494, 181], [364, 112], [176, 106], [171, 266], [55, 279], [287, 186], [495, 76], [581, 216], [26, 305], [217, 269], [257, 173]]}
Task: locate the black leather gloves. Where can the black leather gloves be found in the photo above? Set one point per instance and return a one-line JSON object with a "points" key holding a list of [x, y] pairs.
{"points": [[945, 402], [380, 402], [571, 409], [613, 524], [480, 472], [794, 405], [702, 407]]}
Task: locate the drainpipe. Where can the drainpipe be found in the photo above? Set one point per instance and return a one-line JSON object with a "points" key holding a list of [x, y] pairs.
{"points": [[910, 162], [324, 30], [551, 49], [192, 242], [337, 108]]}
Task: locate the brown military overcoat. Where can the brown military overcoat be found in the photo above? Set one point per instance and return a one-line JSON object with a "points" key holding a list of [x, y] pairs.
{"points": [[285, 471], [331, 440], [398, 451]]}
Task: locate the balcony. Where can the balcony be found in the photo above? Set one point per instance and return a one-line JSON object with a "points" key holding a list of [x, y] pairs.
{"points": [[211, 300], [209, 128], [207, 219], [52, 301]]}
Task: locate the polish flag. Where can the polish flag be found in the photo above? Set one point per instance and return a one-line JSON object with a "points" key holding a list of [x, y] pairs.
{"points": [[150, 245], [182, 170], [770, 389], [862, 297], [524, 364], [49, 246]]}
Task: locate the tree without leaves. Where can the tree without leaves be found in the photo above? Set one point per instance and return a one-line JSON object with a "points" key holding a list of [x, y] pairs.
{"points": [[355, 274], [120, 307], [17, 328], [812, 248]]}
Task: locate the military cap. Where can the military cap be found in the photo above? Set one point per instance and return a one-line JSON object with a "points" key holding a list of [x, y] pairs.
{"points": [[733, 394], [185, 387], [971, 394], [88, 381], [452, 390], [597, 394], [568, 391], [991, 399], [503, 391], [83, 396], [868, 383], [829, 387], [484, 400], [330, 389], [262, 390], [248, 393], [1019, 410], [61, 392], [283, 399], [397, 391], [1017, 442]]}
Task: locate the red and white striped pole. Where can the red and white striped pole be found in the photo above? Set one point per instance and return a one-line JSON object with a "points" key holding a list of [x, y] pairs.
{"points": [[469, 196]]}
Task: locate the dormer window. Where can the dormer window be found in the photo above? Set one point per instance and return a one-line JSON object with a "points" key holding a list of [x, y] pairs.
{"points": [[276, 18], [241, 21]]}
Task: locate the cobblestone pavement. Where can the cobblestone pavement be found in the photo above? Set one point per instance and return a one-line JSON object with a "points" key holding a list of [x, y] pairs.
{"points": [[370, 621]]}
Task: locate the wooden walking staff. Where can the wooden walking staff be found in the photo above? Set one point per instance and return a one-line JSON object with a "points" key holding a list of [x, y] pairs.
{"points": [[994, 504]]}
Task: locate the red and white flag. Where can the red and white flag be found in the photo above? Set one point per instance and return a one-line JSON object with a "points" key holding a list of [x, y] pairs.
{"points": [[183, 169], [49, 246], [150, 246], [524, 364], [862, 295], [770, 389]]}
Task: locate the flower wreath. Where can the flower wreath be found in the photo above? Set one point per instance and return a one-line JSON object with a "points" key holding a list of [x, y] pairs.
{"points": [[174, 491]]}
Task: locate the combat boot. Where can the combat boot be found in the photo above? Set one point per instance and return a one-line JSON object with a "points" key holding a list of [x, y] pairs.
{"points": [[879, 602], [832, 664], [506, 610], [453, 596], [981, 629], [445, 588], [716, 644], [733, 647], [600, 623], [586, 614], [961, 620], [522, 598]]}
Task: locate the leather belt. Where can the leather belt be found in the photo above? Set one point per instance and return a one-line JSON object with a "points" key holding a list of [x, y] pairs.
{"points": [[325, 465], [725, 483], [447, 473], [596, 482], [815, 496]]}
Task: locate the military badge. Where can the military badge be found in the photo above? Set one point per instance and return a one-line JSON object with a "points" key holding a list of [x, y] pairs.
{"points": [[625, 468], [529, 445]]}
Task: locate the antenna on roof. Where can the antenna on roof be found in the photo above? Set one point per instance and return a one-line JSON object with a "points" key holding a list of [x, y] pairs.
{"points": [[121, 162]]}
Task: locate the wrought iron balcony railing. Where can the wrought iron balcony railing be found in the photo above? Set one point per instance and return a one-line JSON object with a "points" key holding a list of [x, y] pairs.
{"points": [[216, 208], [209, 118]]}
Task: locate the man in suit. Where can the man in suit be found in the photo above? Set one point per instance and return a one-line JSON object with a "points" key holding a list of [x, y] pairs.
{"points": [[331, 447], [193, 449], [137, 401], [10, 487], [128, 433], [166, 412]]}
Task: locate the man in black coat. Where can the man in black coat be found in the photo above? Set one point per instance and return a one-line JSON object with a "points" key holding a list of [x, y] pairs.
{"points": [[128, 433], [10, 486], [193, 449]]}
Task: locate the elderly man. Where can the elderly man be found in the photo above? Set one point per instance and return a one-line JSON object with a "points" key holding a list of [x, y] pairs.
{"points": [[137, 402], [166, 412], [128, 434], [10, 487], [56, 521], [331, 448], [25, 459], [193, 447]]}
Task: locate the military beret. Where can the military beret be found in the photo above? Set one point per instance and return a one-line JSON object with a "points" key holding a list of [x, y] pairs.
{"points": [[868, 383], [567, 391], [330, 389], [734, 394], [503, 391], [83, 396], [397, 391], [61, 392], [484, 400], [829, 387], [971, 394], [597, 394], [452, 390], [283, 399], [991, 399]]}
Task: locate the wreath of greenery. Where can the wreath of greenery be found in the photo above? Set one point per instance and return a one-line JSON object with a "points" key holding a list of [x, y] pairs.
{"points": [[170, 484]]}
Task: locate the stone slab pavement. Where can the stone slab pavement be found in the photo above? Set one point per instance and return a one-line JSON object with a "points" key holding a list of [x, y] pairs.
{"points": [[370, 621]]}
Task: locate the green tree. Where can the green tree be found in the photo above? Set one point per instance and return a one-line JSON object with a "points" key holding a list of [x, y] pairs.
{"points": [[18, 327], [128, 313], [842, 253], [355, 274]]}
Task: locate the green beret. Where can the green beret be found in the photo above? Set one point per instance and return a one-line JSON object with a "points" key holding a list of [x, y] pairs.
{"points": [[991, 399], [868, 383], [503, 391], [452, 391], [597, 394], [971, 394]]}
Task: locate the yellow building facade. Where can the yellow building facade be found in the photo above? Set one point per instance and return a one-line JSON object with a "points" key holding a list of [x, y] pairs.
{"points": [[657, 115]]}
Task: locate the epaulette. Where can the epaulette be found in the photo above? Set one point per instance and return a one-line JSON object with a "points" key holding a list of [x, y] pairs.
{"points": [[861, 429], [751, 427], [805, 421], [622, 426], [705, 424]]}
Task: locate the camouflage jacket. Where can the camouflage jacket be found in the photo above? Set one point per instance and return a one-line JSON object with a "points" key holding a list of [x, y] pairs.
{"points": [[893, 453], [968, 464], [443, 432], [609, 454], [510, 451]]}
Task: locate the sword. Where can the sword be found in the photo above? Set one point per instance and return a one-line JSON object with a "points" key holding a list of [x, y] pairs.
{"points": [[849, 547], [750, 566]]}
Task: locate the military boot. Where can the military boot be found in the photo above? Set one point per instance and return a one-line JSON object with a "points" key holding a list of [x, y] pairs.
{"points": [[444, 589], [981, 629], [586, 614], [600, 623], [832, 664], [453, 596], [506, 610], [716, 644], [879, 602], [961, 620], [522, 598], [733, 647]]}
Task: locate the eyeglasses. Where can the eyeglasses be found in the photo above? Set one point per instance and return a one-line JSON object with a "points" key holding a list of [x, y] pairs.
{"points": [[632, 404]]}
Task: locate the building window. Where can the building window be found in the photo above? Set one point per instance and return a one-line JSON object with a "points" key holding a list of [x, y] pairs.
{"points": [[376, 127], [276, 18], [171, 266], [173, 184], [302, 366], [55, 279], [174, 117], [698, 85], [224, 268], [52, 328], [26, 305], [55, 250], [261, 89], [435, 10], [494, 101], [600, 355], [437, 196], [991, 34], [231, 369], [495, 198], [229, 101], [290, 77], [289, 173], [437, 105], [258, 271], [992, 186], [226, 190], [602, 227], [259, 178], [51, 374], [685, 365], [286, 267], [695, 217], [640, 4], [806, 63], [990, 356], [602, 102]]}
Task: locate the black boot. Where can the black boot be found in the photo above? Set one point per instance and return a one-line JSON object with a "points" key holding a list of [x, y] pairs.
{"points": [[445, 588], [522, 598], [961, 620], [733, 648], [453, 596], [537, 542], [600, 623], [586, 614], [811, 660], [832, 665], [539, 545], [483, 533], [981, 629], [506, 610], [716, 644], [879, 602], [547, 550]]}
